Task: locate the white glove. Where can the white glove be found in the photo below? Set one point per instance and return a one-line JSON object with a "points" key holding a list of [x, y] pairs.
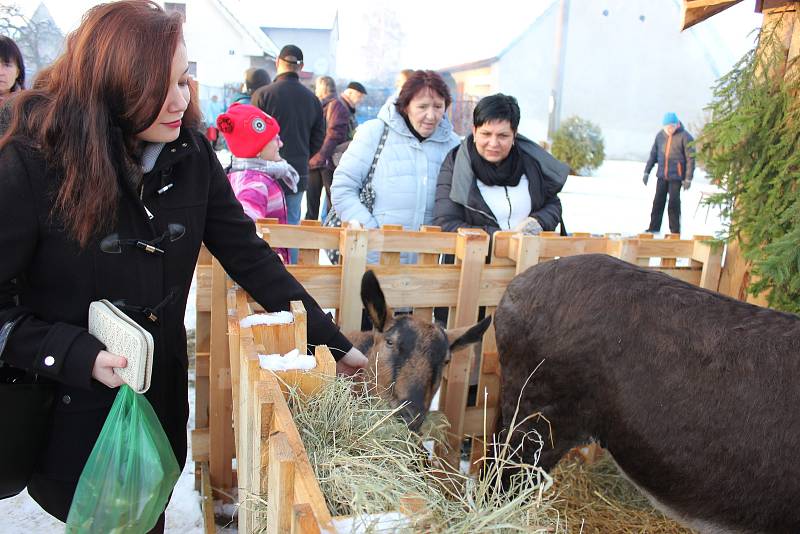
{"points": [[529, 226]]}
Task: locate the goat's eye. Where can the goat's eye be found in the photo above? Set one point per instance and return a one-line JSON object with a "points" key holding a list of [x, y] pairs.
{"points": [[389, 342]]}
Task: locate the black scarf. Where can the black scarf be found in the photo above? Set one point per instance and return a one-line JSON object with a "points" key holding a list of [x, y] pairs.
{"points": [[411, 129], [508, 172]]}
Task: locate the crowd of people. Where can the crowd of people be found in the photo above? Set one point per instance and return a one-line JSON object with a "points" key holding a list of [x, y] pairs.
{"points": [[109, 185]]}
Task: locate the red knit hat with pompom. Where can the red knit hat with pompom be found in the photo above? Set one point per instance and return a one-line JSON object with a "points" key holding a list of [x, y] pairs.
{"points": [[247, 129]]}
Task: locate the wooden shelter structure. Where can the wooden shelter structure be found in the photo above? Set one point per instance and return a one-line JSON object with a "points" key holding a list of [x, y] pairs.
{"points": [[781, 15]]}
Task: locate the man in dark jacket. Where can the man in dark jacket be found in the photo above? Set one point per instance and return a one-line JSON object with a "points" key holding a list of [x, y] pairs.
{"points": [[674, 153], [321, 167], [352, 97], [299, 113]]}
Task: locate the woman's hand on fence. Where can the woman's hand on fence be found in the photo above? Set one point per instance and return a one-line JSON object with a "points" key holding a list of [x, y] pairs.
{"points": [[351, 363], [529, 226], [103, 370]]}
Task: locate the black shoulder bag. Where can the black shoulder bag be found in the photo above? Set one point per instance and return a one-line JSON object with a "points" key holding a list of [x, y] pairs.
{"points": [[366, 195]]}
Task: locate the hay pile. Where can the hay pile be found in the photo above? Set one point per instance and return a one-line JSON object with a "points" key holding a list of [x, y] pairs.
{"points": [[596, 498], [367, 462]]}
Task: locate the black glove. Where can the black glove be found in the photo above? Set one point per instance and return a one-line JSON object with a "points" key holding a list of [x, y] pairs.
{"points": [[687, 184]]}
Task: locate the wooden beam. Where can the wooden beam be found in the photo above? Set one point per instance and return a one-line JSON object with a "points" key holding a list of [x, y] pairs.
{"points": [[696, 11]]}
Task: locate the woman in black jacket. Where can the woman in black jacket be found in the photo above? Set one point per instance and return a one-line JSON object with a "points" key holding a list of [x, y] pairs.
{"points": [[106, 192], [497, 179]]}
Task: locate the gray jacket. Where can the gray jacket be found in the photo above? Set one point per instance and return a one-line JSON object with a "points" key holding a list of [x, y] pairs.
{"points": [[459, 203]]}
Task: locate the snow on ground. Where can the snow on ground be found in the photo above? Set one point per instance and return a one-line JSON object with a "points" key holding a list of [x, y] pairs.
{"points": [[614, 200]]}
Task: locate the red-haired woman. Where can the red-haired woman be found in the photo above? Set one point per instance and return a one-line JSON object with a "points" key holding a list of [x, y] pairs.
{"points": [[106, 192], [413, 137], [12, 68]]}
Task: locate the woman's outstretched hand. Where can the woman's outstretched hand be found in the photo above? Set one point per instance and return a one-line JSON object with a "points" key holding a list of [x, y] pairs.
{"points": [[103, 370], [351, 363]]}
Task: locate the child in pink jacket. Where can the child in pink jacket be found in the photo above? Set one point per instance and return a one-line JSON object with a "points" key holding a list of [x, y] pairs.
{"points": [[258, 174]]}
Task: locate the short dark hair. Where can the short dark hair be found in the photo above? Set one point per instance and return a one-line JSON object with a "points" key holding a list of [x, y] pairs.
{"points": [[497, 107], [9, 53], [357, 87], [256, 77], [419, 81]]}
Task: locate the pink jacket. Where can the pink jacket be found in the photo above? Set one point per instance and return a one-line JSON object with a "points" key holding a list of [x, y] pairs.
{"points": [[261, 197]]}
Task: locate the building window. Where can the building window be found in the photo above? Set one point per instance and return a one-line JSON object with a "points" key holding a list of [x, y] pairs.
{"points": [[192, 69], [180, 7]]}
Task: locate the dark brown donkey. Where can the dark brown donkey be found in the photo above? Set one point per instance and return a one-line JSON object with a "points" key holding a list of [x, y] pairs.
{"points": [[695, 395], [406, 354]]}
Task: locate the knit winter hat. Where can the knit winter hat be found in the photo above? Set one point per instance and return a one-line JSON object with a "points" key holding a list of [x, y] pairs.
{"points": [[247, 129], [670, 118]]}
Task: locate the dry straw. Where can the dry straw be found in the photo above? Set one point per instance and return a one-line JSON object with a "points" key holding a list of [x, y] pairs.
{"points": [[368, 463]]}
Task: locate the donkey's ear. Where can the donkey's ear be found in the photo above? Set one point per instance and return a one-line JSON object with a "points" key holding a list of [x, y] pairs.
{"points": [[467, 335], [374, 301]]}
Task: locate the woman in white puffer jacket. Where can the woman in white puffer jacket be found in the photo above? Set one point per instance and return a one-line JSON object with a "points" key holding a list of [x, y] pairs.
{"points": [[404, 182]]}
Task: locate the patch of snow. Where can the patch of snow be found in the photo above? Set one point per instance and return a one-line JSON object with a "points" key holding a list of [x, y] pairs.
{"points": [[291, 360], [372, 523], [281, 317]]}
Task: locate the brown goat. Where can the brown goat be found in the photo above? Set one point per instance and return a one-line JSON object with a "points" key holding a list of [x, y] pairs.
{"points": [[406, 354], [694, 394]]}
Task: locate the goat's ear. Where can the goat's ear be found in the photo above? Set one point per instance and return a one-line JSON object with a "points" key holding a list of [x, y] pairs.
{"points": [[374, 301], [467, 335]]}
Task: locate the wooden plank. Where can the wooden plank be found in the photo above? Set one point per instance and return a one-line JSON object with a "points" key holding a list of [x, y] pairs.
{"points": [[281, 485], [203, 290], [712, 267], [664, 248], [393, 240], [303, 520], [525, 251], [354, 261], [321, 282], [207, 500], [671, 262], [387, 257], [571, 246], [425, 313], [221, 441], [302, 237], [300, 326], [696, 11], [471, 249], [306, 487], [200, 445]]}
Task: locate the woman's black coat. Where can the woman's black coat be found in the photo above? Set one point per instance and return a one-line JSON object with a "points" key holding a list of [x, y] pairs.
{"points": [[56, 280], [459, 203]]}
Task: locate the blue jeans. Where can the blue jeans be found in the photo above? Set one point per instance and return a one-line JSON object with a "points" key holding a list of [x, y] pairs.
{"points": [[293, 202]]}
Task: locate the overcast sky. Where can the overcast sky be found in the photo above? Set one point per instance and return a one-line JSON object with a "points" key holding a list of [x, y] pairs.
{"points": [[438, 33]]}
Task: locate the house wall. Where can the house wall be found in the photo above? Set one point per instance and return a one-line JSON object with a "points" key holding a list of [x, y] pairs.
{"points": [[221, 50], [318, 46], [624, 73], [525, 71], [620, 72]]}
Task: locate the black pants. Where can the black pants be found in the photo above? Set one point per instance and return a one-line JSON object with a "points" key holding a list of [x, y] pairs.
{"points": [[664, 187], [317, 178]]}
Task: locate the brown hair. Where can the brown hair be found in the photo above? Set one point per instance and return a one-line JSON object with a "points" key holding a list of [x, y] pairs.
{"points": [[419, 81], [86, 108]]}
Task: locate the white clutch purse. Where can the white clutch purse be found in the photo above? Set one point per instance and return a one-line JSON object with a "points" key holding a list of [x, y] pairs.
{"points": [[121, 335]]}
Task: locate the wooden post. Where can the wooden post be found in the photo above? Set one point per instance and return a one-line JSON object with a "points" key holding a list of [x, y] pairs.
{"points": [[426, 314], [353, 247], [471, 249], [711, 258], [202, 347], [281, 485], [300, 326], [221, 441], [303, 520], [307, 256], [670, 262]]}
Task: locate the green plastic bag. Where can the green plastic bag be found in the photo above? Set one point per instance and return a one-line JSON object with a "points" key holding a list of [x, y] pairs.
{"points": [[130, 474]]}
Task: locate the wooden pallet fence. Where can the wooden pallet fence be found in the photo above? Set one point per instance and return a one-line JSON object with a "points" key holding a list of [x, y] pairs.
{"points": [[464, 287]]}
